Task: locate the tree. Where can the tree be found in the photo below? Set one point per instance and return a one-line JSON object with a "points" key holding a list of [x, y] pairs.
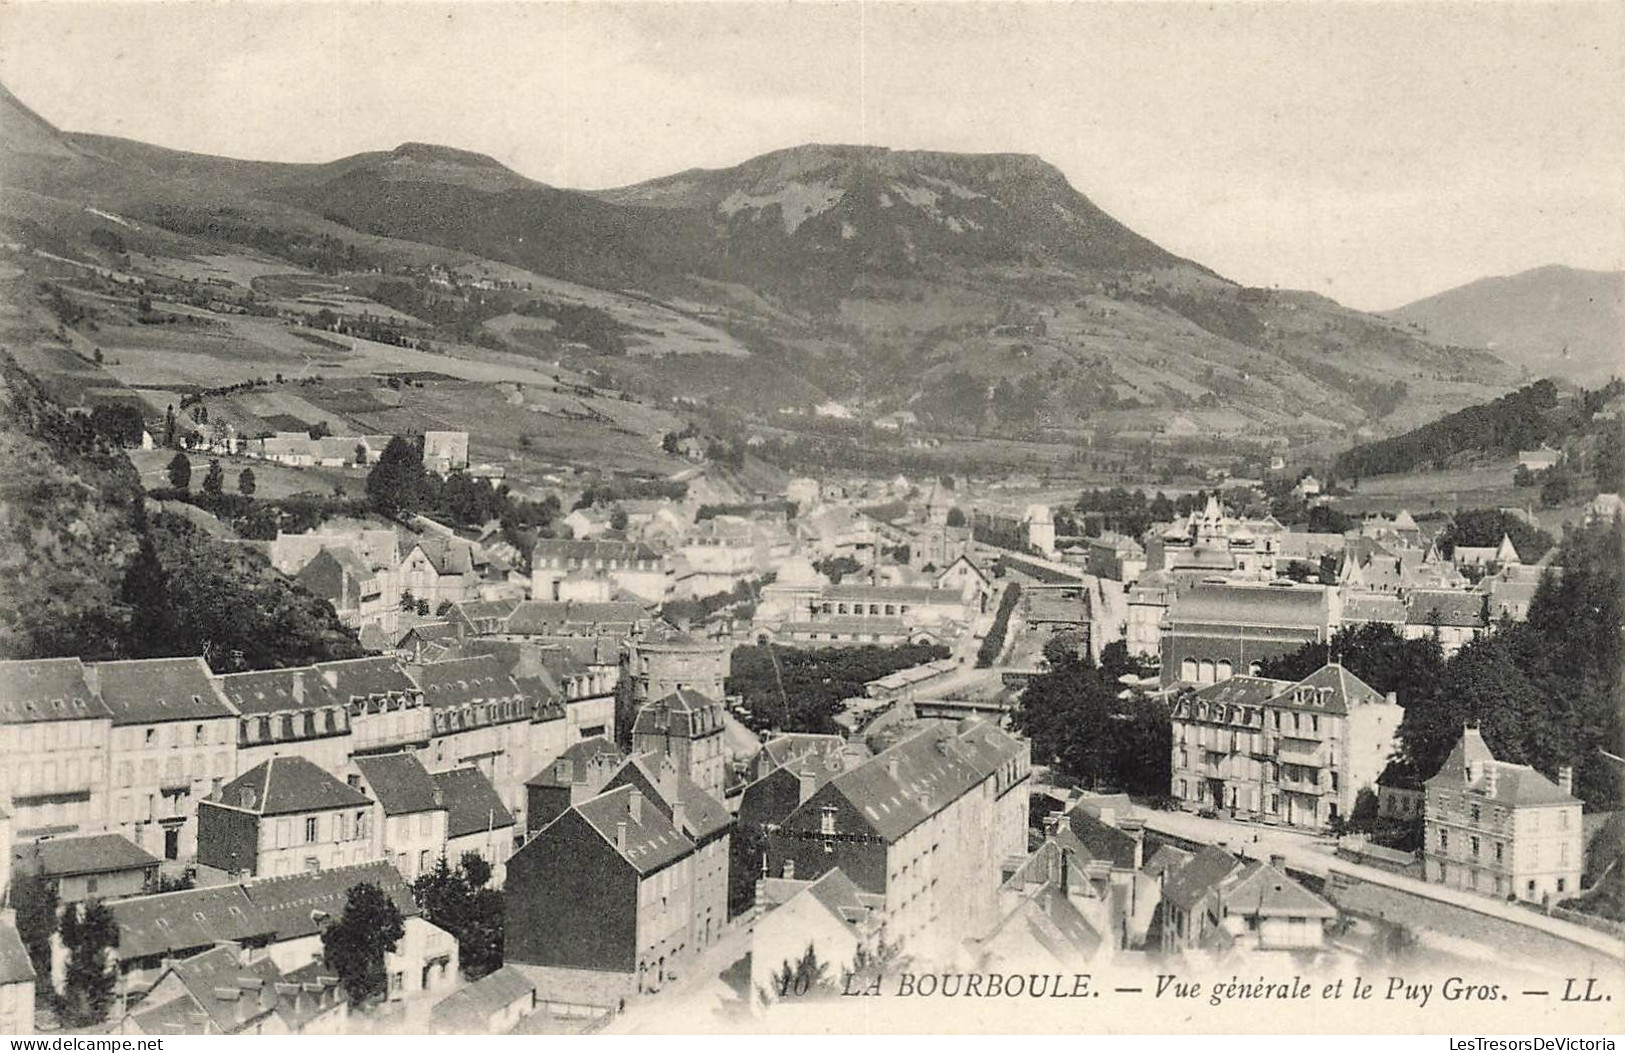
{"points": [[354, 947], [360, 453], [807, 977], [459, 900], [876, 959], [395, 483], [1557, 487], [617, 519], [35, 900], [409, 602], [956, 517], [88, 933], [245, 482], [214, 480], [169, 425], [180, 472]]}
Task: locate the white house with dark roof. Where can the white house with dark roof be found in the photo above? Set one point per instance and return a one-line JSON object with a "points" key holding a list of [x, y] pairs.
{"points": [[288, 712], [410, 812], [482, 718], [1456, 618], [87, 866], [595, 571], [926, 824], [387, 710], [477, 820], [55, 733], [1293, 753], [284, 816], [174, 741], [1502, 829]]}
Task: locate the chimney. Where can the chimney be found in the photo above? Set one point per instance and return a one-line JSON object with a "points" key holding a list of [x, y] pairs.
{"points": [[634, 806], [1565, 779], [1393, 698], [679, 814], [564, 770], [1278, 861], [1489, 780], [299, 687], [788, 872], [809, 783], [620, 837]]}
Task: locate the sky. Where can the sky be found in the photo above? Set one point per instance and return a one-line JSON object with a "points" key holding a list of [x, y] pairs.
{"points": [[1373, 152]]}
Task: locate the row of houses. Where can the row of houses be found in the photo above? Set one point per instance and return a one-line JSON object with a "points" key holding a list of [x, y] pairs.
{"points": [[133, 747]]}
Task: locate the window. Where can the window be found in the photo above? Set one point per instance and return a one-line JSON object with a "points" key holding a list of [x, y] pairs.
{"points": [[1475, 813], [1444, 840], [90, 886], [310, 830], [1498, 848], [1474, 842], [1562, 884]]}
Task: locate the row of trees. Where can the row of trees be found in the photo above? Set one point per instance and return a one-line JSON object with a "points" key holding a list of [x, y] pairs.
{"points": [[797, 689]]}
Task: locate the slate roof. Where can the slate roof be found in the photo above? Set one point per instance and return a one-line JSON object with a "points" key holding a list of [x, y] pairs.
{"points": [[465, 681], [296, 905], [274, 691], [540, 617], [1514, 785], [89, 854], [399, 783], [1097, 840], [158, 690], [847, 592], [1242, 691], [705, 814], [468, 1009], [366, 678], [1375, 607], [842, 896], [1166, 859], [565, 549], [651, 842], [217, 983], [1261, 890], [1202, 875], [1463, 610], [15, 965], [287, 786], [47, 689], [579, 757], [1045, 917], [784, 748], [1329, 689], [171, 922], [934, 768], [686, 714], [1297, 606], [472, 803]]}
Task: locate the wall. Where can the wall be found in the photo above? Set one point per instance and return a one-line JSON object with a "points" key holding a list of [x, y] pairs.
{"points": [[571, 901]]}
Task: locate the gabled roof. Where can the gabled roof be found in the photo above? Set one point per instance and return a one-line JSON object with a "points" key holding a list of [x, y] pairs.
{"points": [[1329, 689], [783, 748], [842, 897], [230, 994], [1472, 766], [542, 618], [932, 769], [288, 786], [88, 854], [469, 1009], [171, 922], [577, 759], [157, 690], [651, 841], [1166, 859], [1089, 838], [399, 783], [704, 814], [47, 689], [472, 804], [560, 548], [1199, 877], [465, 681], [1242, 691], [1260, 890], [15, 965], [296, 905], [1294, 606], [1464, 610], [1048, 919], [366, 678], [278, 690]]}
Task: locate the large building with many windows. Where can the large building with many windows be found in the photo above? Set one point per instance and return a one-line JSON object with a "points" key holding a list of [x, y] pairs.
{"points": [[1501, 829], [1293, 753], [54, 734], [283, 817]]}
